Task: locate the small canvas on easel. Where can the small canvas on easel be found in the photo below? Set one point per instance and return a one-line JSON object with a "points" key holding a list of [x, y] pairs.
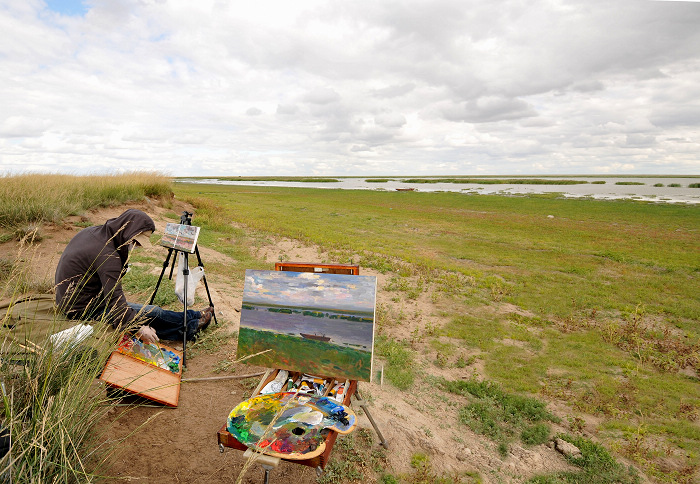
{"points": [[321, 324], [148, 370], [180, 237]]}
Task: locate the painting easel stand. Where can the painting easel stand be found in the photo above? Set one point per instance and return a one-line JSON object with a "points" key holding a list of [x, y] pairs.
{"points": [[185, 219], [225, 439]]}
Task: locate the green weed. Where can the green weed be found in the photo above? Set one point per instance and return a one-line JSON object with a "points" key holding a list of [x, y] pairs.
{"points": [[399, 368], [500, 415], [597, 467]]}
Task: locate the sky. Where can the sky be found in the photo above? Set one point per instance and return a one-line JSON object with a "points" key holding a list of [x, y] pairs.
{"points": [[351, 88]]}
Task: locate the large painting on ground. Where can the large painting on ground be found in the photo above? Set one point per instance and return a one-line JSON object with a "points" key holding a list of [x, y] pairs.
{"points": [[321, 324]]}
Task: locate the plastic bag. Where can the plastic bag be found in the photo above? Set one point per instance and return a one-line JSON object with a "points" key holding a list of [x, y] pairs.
{"points": [[193, 279]]}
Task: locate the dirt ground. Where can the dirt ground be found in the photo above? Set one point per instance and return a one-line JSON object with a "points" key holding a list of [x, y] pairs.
{"points": [[179, 445]]}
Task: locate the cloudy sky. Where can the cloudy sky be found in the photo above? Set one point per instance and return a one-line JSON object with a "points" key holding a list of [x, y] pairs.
{"points": [[362, 87]]}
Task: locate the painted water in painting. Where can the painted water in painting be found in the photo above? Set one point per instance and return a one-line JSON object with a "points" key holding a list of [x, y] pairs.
{"points": [[321, 324]]}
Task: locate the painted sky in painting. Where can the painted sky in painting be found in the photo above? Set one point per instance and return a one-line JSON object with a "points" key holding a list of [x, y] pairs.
{"points": [[308, 289]]}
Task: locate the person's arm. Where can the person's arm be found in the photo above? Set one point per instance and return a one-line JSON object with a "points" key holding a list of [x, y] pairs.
{"points": [[109, 272]]}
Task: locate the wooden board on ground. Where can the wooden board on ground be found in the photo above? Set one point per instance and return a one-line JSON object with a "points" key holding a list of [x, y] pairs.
{"points": [[143, 378]]}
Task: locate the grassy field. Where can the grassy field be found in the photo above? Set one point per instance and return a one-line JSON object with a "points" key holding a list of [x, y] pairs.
{"points": [[602, 294], [592, 304]]}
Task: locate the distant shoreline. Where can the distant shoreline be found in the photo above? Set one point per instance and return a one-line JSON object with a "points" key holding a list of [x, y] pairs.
{"points": [[645, 188]]}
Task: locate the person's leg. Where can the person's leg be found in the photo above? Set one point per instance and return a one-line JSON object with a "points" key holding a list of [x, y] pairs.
{"points": [[168, 324]]}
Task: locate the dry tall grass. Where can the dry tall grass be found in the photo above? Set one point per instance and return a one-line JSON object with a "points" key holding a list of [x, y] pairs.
{"points": [[32, 198]]}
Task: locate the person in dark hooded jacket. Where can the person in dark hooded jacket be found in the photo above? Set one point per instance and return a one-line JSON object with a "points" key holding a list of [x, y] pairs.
{"points": [[88, 280]]}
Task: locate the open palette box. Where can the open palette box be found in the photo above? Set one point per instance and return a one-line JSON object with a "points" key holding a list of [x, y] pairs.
{"points": [[349, 387]]}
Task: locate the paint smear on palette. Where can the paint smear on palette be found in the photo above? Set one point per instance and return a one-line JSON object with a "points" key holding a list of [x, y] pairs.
{"points": [[288, 424], [149, 353]]}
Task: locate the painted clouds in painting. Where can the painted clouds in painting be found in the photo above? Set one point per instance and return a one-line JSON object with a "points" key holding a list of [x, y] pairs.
{"points": [[308, 289]]}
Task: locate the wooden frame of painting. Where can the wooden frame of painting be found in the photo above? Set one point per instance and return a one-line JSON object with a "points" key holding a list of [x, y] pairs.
{"points": [[324, 268], [316, 323]]}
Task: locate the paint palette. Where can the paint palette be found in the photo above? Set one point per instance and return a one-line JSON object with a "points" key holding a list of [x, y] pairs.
{"points": [[289, 425]]}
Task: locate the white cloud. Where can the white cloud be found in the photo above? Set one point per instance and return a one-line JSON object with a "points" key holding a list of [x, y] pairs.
{"points": [[213, 87]]}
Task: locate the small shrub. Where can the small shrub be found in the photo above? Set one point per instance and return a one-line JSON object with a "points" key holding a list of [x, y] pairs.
{"points": [[535, 434], [596, 464]]}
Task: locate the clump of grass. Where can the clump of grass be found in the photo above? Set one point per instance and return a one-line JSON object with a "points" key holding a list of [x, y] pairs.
{"points": [[27, 199], [352, 455], [50, 407], [399, 368], [596, 465], [674, 185], [499, 415], [535, 434], [629, 183], [694, 185]]}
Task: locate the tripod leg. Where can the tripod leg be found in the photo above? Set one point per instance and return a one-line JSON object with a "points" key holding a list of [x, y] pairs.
{"points": [[186, 273], [165, 265], [363, 406], [172, 267], [204, 279]]}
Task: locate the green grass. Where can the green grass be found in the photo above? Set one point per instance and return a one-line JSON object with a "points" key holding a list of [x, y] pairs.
{"points": [[596, 466], [500, 415], [581, 277], [400, 366]]}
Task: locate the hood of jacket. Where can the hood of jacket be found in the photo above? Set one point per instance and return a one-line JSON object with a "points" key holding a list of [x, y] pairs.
{"points": [[120, 230]]}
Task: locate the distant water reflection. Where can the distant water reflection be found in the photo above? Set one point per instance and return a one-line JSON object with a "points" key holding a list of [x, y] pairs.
{"points": [[608, 190]]}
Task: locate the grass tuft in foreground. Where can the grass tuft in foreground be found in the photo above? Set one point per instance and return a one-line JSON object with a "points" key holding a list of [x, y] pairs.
{"points": [[51, 405]]}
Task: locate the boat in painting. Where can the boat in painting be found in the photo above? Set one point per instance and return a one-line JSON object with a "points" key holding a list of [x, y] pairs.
{"points": [[315, 337]]}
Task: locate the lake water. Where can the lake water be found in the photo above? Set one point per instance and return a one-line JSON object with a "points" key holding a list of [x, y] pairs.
{"points": [[609, 190]]}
